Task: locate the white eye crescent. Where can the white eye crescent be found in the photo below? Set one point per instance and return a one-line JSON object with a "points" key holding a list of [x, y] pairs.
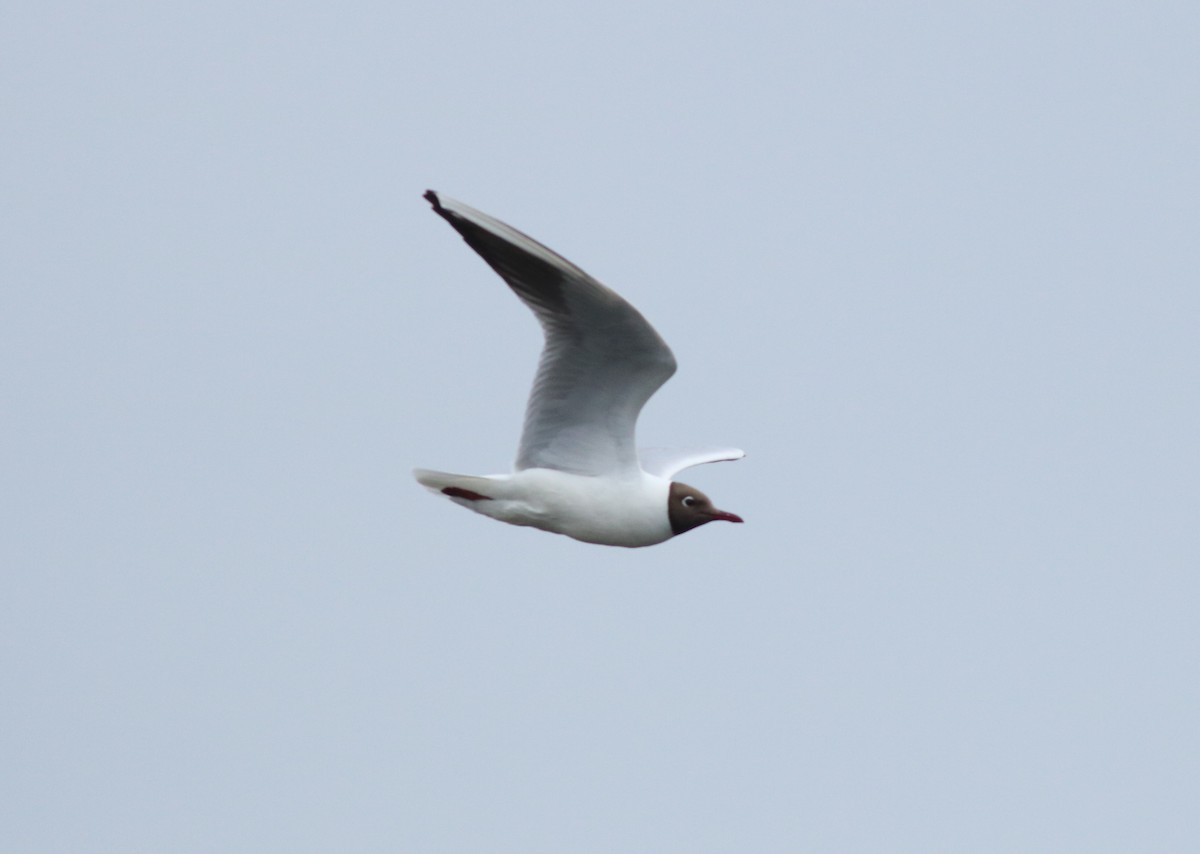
{"points": [[688, 501]]}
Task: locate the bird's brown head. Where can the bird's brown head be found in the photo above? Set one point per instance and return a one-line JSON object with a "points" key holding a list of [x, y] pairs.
{"points": [[688, 507]]}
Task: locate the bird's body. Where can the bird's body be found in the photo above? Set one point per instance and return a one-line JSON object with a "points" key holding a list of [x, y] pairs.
{"points": [[578, 471], [627, 511]]}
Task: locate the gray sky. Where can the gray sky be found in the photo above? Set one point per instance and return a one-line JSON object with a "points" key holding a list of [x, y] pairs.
{"points": [[933, 265]]}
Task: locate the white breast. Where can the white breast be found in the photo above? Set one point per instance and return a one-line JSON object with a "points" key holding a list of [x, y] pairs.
{"points": [[627, 511]]}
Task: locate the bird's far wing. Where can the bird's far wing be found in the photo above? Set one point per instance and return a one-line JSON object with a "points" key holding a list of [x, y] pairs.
{"points": [[601, 362], [668, 462]]}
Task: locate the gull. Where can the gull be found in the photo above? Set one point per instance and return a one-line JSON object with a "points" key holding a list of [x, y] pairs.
{"points": [[578, 471]]}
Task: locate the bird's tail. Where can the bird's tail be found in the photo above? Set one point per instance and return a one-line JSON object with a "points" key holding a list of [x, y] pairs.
{"points": [[464, 486]]}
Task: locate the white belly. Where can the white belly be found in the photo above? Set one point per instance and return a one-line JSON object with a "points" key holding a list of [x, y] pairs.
{"points": [[628, 512]]}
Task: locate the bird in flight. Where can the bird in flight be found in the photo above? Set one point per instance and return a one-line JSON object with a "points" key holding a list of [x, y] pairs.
{"points": [[578, 471]]}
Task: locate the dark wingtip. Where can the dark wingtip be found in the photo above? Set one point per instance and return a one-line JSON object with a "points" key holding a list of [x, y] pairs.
{"points": [[431, 196]]}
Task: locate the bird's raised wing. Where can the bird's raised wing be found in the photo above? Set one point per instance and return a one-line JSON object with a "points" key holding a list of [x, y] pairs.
{"points": [[601, 362], [668, 462]]}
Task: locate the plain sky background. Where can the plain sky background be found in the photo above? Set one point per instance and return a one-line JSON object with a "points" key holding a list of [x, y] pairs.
{"points": [[933, 265]]}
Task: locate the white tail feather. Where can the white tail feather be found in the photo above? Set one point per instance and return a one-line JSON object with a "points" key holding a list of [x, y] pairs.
{"points": [[436, 481]]}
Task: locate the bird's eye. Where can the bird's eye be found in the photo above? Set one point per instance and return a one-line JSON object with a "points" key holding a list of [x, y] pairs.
{"points": [[688, 501]]}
